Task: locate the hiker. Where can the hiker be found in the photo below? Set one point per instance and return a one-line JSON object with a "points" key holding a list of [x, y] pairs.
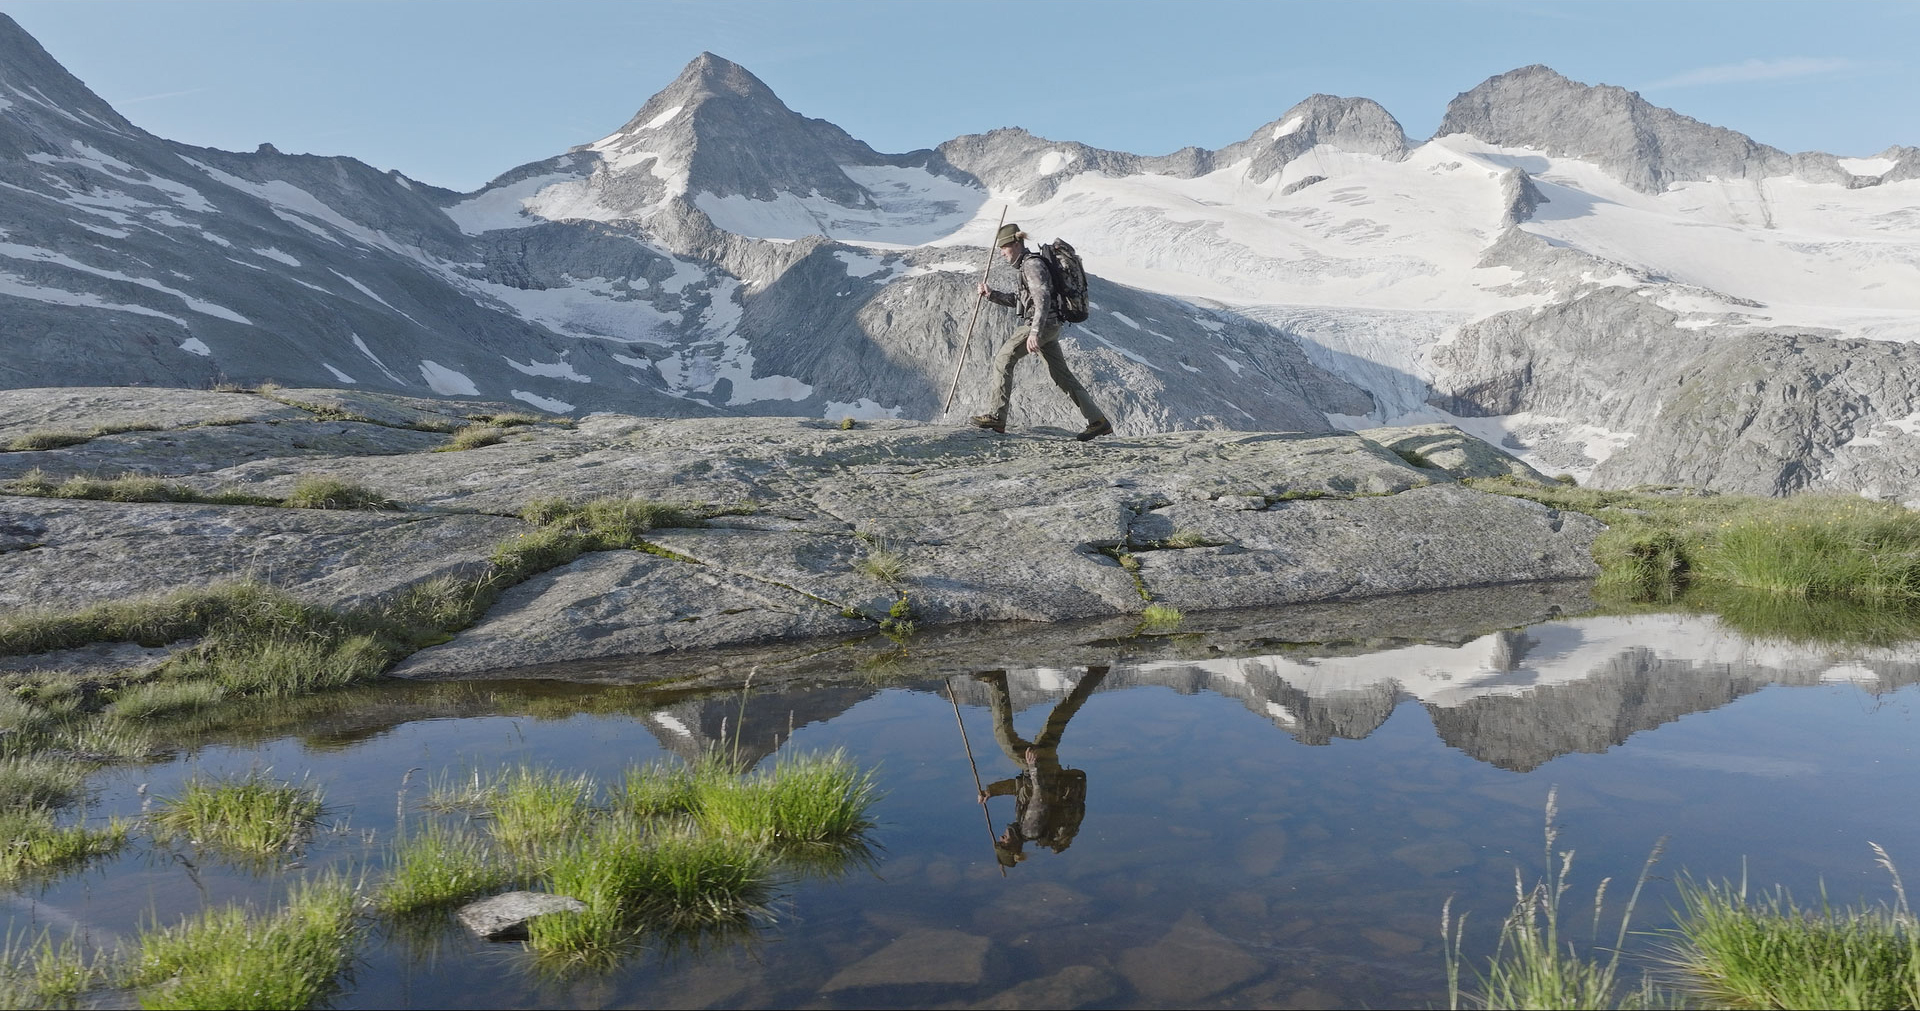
{"points": [[1049, 800], [1040, 335]]}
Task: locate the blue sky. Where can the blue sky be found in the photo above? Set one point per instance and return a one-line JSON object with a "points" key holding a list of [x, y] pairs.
{"points": [[456, 92]]}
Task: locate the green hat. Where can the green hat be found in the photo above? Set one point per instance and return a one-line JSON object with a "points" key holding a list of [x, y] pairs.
{"points": [[1008, 233]]}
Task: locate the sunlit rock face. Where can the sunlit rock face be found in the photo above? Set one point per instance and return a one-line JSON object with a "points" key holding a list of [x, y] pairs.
{"points": [[1597, 286], [1028, 526]]}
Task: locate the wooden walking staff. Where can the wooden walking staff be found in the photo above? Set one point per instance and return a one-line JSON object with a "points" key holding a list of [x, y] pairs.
{"points": [[955, 699], [967, 344]]}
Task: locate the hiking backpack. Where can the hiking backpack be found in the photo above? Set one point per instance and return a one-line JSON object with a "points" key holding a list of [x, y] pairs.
{"points": [[1069, 280]]}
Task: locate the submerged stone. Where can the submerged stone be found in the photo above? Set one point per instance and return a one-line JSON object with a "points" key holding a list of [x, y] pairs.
{"points": [[920, 958]]}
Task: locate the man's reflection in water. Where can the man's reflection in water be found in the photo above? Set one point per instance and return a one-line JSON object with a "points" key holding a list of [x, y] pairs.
{"points": [[1049, 801]]}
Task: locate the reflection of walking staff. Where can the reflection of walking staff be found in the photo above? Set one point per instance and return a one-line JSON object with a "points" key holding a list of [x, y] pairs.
{"points": [[967, 345], [955, 699]]}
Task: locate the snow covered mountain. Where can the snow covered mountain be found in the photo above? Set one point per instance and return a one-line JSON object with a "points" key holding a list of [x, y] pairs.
{"points": [[1601, 286]]}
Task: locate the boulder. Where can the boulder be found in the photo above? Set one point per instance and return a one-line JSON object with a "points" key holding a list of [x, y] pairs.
{"points": [[504, 917]]}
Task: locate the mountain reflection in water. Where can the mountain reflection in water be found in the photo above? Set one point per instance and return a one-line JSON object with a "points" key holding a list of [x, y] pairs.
{"points": [[1515, 698], [1167, 822]]}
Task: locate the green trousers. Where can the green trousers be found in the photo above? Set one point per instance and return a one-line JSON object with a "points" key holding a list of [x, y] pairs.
{"points": [[1015, 349]]}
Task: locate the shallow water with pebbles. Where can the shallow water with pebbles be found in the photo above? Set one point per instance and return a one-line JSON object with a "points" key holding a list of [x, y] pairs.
{"points": [[1256, 829]]}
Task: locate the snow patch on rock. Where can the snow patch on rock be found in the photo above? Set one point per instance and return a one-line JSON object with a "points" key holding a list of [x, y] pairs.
{"points": [[446, 381], [553, 370], [547, 404]]}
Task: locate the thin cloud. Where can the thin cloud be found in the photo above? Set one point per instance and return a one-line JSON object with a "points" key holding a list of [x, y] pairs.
{"points": [[156, 98], [1756, 70]]}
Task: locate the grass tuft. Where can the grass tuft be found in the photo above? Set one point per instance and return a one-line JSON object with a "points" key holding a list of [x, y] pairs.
{"points": [[472, 437], [804, 800], [882, 563], [128, 488], [1188, 539], [33, 441], [1769, 952], [164, 698], [250, 815], [513, 419], [315, 492], [36, 845], [47, 973], [228, 958], [607, 523], [657, 789], [535, 808], [437, 867], [1661, 542], [1161, 616], [631, 878], [31, 781], [1533, 965]]}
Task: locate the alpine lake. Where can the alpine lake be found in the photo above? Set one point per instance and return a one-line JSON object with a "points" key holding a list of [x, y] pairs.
{"points": [[1250, 809]]}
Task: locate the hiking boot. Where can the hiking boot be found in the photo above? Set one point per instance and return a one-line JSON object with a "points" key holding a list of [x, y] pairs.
{"points": [[992, 424], [1095, 430]]}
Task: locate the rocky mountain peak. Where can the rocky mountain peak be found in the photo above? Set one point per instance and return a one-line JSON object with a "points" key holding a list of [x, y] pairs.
{"points": [[1641, 144], [1358, 125], [720, 130], [34, 85], [718, 75]]}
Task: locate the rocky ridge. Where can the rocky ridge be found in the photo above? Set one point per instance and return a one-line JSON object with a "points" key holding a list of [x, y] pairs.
{"points": [[821, 530]]}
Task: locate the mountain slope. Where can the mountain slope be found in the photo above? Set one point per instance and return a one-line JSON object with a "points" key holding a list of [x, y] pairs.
{"points": [[1590, 281]]}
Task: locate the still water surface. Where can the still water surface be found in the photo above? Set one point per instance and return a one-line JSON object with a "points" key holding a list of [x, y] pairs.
{"points": [[1278, 829]]}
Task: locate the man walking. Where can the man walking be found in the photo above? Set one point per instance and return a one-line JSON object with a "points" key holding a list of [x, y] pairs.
{"points": [[1041, 335]]}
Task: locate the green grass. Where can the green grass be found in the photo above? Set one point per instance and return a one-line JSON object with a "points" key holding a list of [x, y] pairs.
{"points": [[1822, 549], [148, 622], [657, 789], [1661, 542], [471, 437], [33, 781], [535, 808], [282, 658], [1535, 964], [634, 878], [228, 957], [100, 741], [1161, 616], [1188, 539], [34, 844], [129, 488], [609, 523], [900, 620], [882, 563], [315, 492], [24, 721], [803, 800], [46, 973], [438, 866], [250, 815], [511, 419], [43, 440], [679, 849], [1734, 951], [164, 698]]}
